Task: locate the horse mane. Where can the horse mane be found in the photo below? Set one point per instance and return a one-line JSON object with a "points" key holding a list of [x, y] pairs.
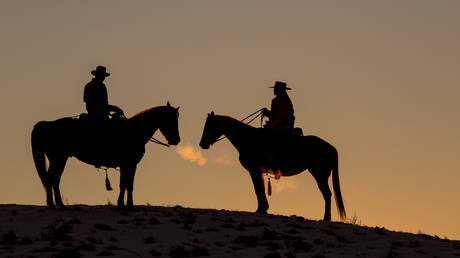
{"points": [[235, 121], [145, 112]]}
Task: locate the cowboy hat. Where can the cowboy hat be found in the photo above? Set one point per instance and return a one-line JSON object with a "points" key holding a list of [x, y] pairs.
{"points": [[280, 85], [100, 70]]}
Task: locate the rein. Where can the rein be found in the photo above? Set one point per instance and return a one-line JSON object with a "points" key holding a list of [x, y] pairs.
{"points": [[258, 112], [152, 139]]}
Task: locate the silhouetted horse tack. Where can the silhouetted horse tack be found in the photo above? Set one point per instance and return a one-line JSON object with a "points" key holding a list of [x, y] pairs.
{"points": [[264, 151], [102, 143]]}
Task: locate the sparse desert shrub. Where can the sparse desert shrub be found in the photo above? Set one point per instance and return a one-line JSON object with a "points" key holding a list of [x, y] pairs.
{"points": [[212, 229], [153, 221], [105, 253], [227, 225], [178, 251], [318, 242], [122, 222], [248, 241], [268, 234], [103, 227], [396, 244], [9, 238], [242, 227], [342, 239], [68, 253], [86, 247], [175, 221], [272, 245], [257, 223], [293, 231], [55, 232], [138, 219], [355, 220], [155, 253], [113, 247], [358, 232], [149, 240], [25, 241], [219, 244], [299, 245], [200, 251], [380, 231], [272, 255], [178, 207]]}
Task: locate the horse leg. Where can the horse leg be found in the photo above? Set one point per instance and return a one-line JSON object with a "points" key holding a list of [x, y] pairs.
{"points": [[259, 187], [130, 185], [56, 189], [123, 180], [49, 190], [321, 177], [54, 177]]}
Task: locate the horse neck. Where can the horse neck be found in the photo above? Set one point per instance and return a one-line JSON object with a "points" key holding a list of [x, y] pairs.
{"points": [[237, 132], [146, 123]]}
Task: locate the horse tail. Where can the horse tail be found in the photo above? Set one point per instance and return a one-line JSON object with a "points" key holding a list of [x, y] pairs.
{"points": [[38, 151], [336, 186]]}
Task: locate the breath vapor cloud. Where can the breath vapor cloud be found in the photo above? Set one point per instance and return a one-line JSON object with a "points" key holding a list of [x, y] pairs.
{"points": [[188, 152]]}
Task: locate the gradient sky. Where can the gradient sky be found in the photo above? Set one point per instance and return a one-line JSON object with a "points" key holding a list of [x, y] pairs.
{"points": [[379, 80]]}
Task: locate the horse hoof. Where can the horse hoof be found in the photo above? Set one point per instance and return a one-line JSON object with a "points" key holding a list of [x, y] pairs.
{"points": [[261, 211]]}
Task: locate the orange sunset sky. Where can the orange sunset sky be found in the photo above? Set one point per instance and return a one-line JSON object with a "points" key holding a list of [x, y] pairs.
{"points": [[379, 80]]}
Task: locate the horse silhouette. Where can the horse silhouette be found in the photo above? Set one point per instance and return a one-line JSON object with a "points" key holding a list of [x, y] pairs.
{"points": [[280, 154], [119, 143]]}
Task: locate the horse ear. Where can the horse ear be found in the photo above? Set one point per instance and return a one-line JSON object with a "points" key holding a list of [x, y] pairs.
{"points": [[177, 109], [212, 113], [169, 105]]}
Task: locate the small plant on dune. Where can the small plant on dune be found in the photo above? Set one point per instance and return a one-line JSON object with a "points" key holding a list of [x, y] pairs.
{"points": [[200, 251], [155, 253], [354, 220], [103, 227], [153, 221], [58, 231], [9, 238], [272, 255], [247, 240], [149, 240], [178, 251], [26, 241], [105, 253], [68, 253]]}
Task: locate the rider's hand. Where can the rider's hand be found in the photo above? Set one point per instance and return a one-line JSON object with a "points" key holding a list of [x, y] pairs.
{"points": [[265, 112]]}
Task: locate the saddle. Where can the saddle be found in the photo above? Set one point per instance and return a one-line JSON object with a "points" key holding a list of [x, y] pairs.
{"points": [[101, 131], [102, 135]]}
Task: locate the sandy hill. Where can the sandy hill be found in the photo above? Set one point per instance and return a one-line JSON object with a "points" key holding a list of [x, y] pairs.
{"points": [[146, 231]]}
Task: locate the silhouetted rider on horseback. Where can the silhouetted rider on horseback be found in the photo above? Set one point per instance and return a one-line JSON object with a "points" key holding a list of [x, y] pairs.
{"points": [[281, 116], [95, 97]]}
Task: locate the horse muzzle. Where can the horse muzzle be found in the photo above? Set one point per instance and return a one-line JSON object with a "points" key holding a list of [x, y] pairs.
{"points": [[174, 142], [204, 146]]}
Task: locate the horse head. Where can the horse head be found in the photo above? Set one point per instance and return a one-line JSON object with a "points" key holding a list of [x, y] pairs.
{"points": [[169, 126], [210, 132]]}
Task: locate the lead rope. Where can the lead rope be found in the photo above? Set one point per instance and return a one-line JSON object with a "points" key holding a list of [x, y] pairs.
{"points": [[107, 182], [269, 187]]}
